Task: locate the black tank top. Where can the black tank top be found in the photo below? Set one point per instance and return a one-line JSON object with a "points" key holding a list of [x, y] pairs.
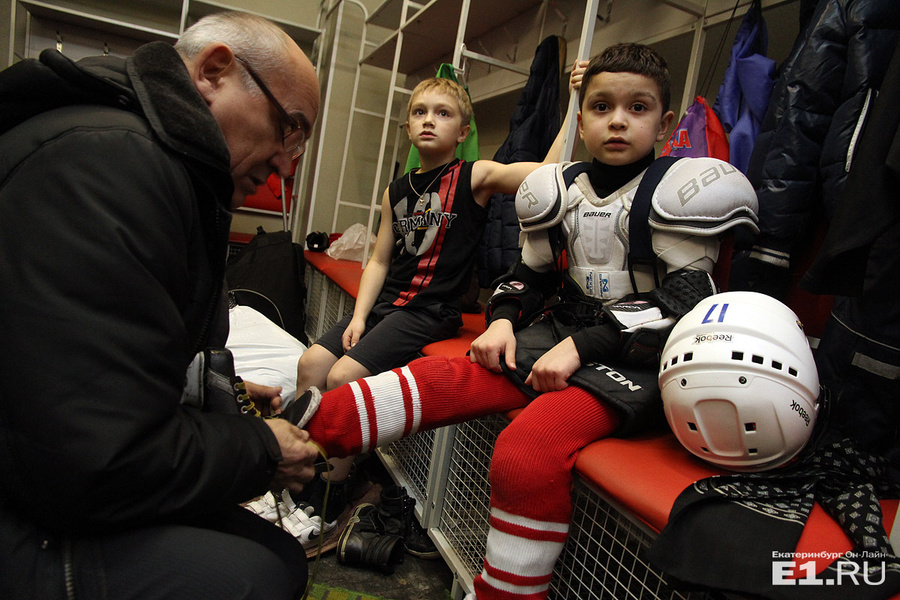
{"points": [[437, 235]]}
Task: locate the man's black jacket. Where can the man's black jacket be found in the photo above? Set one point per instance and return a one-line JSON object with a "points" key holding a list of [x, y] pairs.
{"points": [[114, 215]]}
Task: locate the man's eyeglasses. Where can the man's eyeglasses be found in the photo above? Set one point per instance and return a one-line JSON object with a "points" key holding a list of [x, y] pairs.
{"points": [[294, 135]]}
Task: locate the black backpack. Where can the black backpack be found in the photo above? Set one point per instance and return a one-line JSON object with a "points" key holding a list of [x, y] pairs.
{"points": [[268, 276]]}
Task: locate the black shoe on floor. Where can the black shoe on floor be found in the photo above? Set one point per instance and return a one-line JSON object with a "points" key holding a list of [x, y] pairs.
{"points": [[398, 504], [365, 542], [419, 544]]}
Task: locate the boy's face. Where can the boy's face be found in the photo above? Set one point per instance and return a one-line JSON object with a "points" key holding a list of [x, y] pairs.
{"points": [[434, 124], [622, 117]]}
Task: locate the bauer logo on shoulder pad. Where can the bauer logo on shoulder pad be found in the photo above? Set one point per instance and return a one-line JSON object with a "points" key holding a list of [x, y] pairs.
{"points": [[703, 196], [705, 178]]}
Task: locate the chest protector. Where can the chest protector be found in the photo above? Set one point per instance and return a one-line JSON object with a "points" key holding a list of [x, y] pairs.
{"points": [[596, 231], [608, 256]]}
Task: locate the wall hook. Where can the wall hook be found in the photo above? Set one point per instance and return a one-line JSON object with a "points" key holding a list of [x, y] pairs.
{"points": [[605, 18], [487, 53], [463, 70], [515, 43]]}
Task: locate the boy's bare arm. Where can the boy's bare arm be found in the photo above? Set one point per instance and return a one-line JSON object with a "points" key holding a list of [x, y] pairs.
{"points": [[373, 277], [489, 177]]}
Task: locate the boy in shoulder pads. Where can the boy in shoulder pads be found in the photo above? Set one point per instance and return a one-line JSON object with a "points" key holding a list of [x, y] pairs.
{"points": [[638, 258], [432, 220]]}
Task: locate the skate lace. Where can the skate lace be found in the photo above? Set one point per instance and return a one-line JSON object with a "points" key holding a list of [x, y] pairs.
{"points": [[245, 404]]}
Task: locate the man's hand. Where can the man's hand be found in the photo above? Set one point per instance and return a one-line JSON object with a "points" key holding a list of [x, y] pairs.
{"points": [[266, 398], [499, 340], [299, 456], [552, 370]]}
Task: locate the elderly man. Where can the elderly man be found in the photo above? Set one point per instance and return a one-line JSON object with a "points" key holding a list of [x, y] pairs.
{"points": [[116, 183]]}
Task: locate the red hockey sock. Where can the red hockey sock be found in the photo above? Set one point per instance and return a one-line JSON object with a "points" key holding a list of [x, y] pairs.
{"points": [[531, 479], [429, 392]]}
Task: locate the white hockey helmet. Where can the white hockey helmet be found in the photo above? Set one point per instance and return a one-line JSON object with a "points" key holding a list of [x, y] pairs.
{"points": [[738, 381]]}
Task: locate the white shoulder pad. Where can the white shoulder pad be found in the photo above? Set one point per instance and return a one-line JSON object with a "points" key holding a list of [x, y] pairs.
{"points": [[703, 196], [541, 200]]}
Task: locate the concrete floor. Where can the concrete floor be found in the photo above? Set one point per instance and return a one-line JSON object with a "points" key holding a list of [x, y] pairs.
{"points": [[413, 579]]}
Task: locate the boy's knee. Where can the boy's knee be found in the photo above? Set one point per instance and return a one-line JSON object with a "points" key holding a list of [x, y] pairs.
{"points": [[520, 456], [302, 368], [333, 381], [344, 371], [513, 454], [313, 367], [303, 364]]}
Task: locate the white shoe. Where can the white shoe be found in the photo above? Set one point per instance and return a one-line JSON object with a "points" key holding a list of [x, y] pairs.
{"points": [[271, 507], [301, 524], [267, 507]]}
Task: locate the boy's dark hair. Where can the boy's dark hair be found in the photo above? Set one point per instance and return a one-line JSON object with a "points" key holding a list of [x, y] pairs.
{"points": [[630, 58]]}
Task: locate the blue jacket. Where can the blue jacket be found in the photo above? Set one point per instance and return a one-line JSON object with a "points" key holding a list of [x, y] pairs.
{"points": [[744, 94]]}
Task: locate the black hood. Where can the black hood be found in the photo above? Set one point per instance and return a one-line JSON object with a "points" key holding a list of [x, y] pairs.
{"points": [[153, 82]]}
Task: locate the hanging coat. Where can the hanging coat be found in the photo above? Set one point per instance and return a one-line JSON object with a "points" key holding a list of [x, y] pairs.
{"points": [[744, 94], [532, 129], [698, 133], [800, 160]]}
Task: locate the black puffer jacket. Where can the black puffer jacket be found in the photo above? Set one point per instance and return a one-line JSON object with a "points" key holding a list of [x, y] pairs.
{"points": [[532, 129], [114, 188], [803, 152]]}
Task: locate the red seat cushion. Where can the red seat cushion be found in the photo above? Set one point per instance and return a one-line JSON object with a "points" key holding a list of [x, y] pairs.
{"points": [[472, 327], [345, 273], [644, 474]]}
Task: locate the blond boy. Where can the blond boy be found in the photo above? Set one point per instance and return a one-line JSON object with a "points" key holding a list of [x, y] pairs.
{"points": [[432, 220]]}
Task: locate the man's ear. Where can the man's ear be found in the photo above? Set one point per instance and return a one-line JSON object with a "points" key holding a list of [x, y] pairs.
{"points": [[463, 134], [210, 67], [664, 125], [580, 125]]}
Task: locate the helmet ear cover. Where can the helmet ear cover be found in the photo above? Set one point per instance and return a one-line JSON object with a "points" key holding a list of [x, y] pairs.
{"points": [[738, 382]]}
